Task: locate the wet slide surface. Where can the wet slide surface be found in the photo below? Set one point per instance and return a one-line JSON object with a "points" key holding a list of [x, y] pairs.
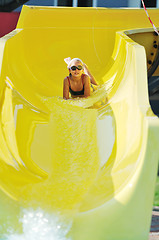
{"points": [[76, 169]]}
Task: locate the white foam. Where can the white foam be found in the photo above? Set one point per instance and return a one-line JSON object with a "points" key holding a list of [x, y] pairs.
{"points": [[38, 225]]}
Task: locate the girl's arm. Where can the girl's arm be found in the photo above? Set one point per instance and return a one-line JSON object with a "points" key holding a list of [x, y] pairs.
{"points": [[65, 89], [92, 79], [87, 90]]}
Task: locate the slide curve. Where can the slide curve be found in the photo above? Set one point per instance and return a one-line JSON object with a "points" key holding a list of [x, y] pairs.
{"points": [[92, 161]]}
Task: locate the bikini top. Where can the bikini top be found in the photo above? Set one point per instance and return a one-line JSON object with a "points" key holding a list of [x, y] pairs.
{"points": [[76, 93]]}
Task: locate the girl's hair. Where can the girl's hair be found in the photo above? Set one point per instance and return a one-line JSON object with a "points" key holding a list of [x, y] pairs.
{"points": [[70, 61]]}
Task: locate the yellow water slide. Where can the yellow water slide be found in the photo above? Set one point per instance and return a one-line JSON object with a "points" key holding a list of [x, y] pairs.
{"points": [[93, 161]]}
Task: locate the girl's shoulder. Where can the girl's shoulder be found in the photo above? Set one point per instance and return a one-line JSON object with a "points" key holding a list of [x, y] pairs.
{"points": [[67, 79], [85, 77]]}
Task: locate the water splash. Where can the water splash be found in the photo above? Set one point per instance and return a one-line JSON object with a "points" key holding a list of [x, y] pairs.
{"points": [[39, 225]]}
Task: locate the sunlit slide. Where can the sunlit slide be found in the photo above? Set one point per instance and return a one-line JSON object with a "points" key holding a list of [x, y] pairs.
{"points": [[84, 168]]}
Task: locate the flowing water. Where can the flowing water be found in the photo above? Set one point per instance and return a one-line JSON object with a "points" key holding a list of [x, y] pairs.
{"points": [[39, 225]]}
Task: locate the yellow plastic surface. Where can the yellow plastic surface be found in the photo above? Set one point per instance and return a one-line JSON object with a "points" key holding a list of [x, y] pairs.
{"points": [[93, 159]]}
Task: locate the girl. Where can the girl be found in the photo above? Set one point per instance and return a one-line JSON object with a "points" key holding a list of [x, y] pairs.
{"points": [[77, 83]]}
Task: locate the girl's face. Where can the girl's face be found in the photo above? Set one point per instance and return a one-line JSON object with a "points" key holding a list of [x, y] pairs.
{"points": [[76, 69]]}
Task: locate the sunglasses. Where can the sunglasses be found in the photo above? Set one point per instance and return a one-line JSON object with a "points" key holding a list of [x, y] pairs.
{"points": [[79, 67]]}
